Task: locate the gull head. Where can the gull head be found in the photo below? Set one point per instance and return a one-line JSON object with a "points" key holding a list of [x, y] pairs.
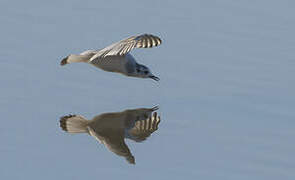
{"points": [[144, 72]]}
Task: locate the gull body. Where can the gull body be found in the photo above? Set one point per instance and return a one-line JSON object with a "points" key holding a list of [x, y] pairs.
{"points": [[111, 129], [116, 57]]}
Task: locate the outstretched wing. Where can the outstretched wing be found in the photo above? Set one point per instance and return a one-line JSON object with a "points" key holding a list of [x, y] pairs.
{"points": [[114, 141], [144, 128], [126, 45], [89, 52]]}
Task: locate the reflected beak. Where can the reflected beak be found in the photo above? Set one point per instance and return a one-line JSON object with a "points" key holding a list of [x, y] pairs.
{"points": [[155, 108], [154, 78]]}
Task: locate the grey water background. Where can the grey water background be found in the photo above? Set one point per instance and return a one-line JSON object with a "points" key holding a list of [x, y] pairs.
{"points": [[226, 93]]}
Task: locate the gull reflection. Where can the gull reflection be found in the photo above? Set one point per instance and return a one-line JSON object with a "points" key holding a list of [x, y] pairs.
{"points": [[110, 129]]}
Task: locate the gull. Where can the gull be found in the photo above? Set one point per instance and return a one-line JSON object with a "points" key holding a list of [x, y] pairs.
{"points": [[110, 129], [116, 57]]}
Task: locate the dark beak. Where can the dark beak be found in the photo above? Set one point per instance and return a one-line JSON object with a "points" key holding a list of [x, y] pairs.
{"points": [[154, 78], [154, 108]]}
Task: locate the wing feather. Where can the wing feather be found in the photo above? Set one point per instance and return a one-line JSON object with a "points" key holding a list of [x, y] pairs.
{"points": [[114, 141], [144, 128], [124, 46]]}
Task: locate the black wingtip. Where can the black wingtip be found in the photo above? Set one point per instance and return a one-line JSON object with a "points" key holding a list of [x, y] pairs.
{"points": [[130, 159]]}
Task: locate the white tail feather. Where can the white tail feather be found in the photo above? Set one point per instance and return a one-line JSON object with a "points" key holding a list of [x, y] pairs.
{"points": [[76, 58]]}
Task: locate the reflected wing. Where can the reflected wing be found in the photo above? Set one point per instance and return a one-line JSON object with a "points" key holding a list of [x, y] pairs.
{"points": [[144, 128], [126, 45], [114, 141]]}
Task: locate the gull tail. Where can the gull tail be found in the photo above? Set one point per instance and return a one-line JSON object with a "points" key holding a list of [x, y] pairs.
{"points": [[74, 124], [64, 61], [72, 58]]}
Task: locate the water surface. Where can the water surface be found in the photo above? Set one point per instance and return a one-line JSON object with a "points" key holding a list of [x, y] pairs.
{"points": [[226, 93]]}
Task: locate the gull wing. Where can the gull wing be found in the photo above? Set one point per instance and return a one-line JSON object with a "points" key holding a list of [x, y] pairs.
{"points": [[89, 52], [144, 128], [114, 141], [124, 46]]}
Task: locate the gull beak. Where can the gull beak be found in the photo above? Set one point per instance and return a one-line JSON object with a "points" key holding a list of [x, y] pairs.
{"points": [[154, 78], [154, 108]]}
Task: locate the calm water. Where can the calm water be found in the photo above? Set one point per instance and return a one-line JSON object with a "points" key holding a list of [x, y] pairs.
{"points": [[226, 93]]}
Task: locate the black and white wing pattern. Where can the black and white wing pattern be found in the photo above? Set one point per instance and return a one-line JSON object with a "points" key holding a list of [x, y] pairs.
{"points": [[144, 128], [124, 46]]}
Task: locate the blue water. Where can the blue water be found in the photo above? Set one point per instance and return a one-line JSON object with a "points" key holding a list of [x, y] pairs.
{"points": [[226, 93]]}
